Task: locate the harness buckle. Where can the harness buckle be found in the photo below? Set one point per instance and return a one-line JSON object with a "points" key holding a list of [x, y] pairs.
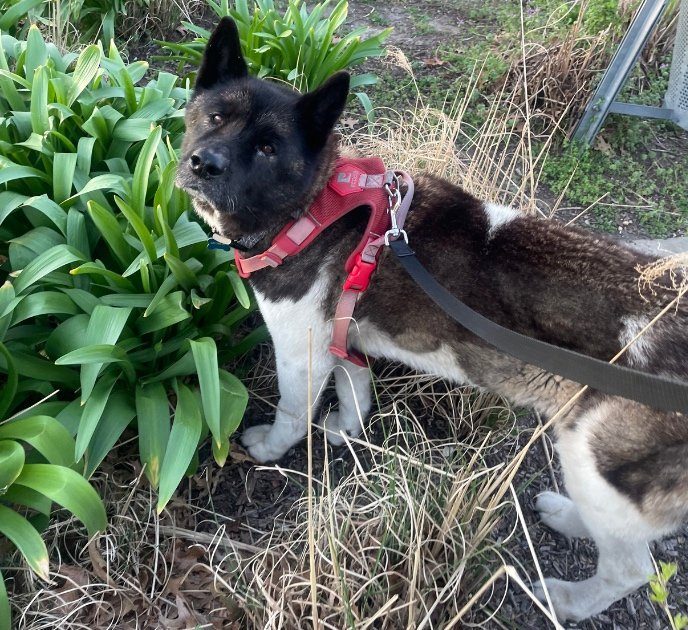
{"points": [[272, 259], [359, 276]]}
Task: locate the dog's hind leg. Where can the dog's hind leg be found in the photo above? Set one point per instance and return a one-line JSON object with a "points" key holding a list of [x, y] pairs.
{"points": [[353, 391], [613, 521], [623, 567]]}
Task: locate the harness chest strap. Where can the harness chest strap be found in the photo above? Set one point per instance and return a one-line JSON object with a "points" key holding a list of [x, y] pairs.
{"points": [[355, 183]]}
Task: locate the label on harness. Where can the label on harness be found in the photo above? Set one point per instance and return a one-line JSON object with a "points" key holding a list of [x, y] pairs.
{"points": [[348, 180]]}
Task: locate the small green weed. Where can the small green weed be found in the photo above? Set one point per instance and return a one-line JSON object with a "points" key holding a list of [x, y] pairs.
{"points": [[659, 593]]}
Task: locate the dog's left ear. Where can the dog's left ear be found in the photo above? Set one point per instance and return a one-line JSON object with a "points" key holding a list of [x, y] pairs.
{"points": [[320, 109], [222, 60]]}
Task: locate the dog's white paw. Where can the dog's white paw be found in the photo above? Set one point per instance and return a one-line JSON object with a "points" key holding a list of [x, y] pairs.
{"points": [[257, 441], [334, 427], [568, 601], [560, 514]]}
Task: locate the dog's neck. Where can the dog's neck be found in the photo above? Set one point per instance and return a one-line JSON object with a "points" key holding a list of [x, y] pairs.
{"points": [[252, 244]]}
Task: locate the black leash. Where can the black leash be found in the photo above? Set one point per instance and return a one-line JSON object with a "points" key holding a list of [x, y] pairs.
{"points": [[648, 389]]}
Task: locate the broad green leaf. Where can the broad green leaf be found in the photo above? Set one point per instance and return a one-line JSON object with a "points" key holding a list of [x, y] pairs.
{"points": [[64, 165], [68, 336], [205, 356], [83, 299], [7, 297], [221, 452], [84, 72], [77, 237], [141, 230], [11, 462], [185, 232], [111, 232], [168, 312], [43, 303], [26, 539], [183, 443], [5, 616], [117, 416], [12, 172], [21, 495], [144, 163], [132, 130], [239, 289], [9, 202], [108, 181], [11, 17], [105, 327], [39, 101], [70, 490], [34, 367], [98, 269], [51, 210], [45, 434], [233, 402], [97, 353], [186, 278], [9, 388], [167, 285], [93, 410], [36, 52], [153, 413], [49, 261], [181, 367]]}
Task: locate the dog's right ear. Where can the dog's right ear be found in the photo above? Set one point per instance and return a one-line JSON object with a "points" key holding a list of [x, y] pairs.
{"points": [[222, 60]]}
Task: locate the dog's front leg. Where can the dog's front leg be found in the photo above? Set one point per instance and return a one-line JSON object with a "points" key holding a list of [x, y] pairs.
{"points": [[353, 391], [289, 327]]}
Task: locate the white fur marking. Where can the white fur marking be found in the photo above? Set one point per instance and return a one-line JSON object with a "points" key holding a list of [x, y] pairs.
{"points": [[498, 216], [639, 352], [289, 322]]}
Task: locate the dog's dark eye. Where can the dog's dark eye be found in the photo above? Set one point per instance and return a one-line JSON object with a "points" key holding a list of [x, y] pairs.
{"points": [[216, 119], [266, 149]]}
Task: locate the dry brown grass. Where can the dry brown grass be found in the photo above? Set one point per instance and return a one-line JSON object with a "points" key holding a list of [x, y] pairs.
{"points": [[557, 78], [666, 273], [497, 161], [139, 574]]}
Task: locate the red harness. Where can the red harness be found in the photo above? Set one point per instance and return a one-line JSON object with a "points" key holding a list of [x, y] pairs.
{"points": [[354, 183]]}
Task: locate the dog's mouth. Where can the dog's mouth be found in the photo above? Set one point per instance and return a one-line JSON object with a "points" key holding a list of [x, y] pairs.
{"points": [[224, 222]]}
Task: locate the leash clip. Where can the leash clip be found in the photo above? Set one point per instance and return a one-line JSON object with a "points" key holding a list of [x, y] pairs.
{"points": [[394, 201]]}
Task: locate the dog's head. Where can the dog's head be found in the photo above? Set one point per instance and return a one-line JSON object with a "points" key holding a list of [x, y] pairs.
{"points": [[254, 150]]}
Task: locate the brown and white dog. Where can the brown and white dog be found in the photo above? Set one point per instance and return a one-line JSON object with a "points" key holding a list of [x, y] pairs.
{"points": [[255, 156]]}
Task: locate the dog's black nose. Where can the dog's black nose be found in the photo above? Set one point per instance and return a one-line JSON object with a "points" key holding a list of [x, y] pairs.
{"points": [[208, 163]]}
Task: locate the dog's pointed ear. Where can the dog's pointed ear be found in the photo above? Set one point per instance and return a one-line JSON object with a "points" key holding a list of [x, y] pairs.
{"points": [[222, 60], [320, 109]]}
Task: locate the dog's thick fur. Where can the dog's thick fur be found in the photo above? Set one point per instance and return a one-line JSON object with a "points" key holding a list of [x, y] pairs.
{"points": [[255, 156]]}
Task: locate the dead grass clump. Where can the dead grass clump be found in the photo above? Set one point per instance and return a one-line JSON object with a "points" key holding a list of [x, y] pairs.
{"points": [[497, 161], [669, 273], [559, 62], [397, 542]]}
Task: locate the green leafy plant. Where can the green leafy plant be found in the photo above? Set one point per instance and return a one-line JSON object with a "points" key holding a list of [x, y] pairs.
{"points": [[113, 292], [36, 471], [300, 47], [69, 21], [659, 593]]}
